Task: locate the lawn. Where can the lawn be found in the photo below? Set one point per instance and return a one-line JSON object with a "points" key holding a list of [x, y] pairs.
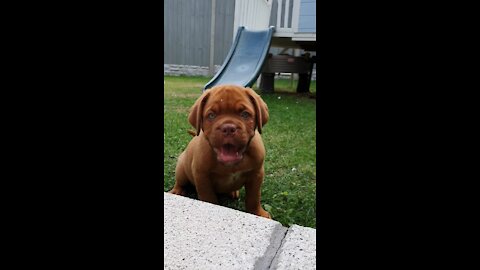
{"points": [[288, 191]]}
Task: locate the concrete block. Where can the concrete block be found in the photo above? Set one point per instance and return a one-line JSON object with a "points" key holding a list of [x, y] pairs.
{"points": [[200, 235], [298, 250]]}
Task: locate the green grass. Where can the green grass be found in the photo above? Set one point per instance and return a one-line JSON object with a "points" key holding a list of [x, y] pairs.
{"points": [[288, 191]]}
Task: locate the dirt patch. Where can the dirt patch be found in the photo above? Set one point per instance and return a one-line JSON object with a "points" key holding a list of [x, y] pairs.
{"points": [[179, 109], [183, 95]]}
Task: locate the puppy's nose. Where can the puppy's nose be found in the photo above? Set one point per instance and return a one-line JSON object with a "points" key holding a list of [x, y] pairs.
{"points": [[228, 129]]}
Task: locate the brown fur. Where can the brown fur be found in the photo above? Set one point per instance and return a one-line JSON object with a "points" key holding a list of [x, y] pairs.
{"points": [[228, 151]]}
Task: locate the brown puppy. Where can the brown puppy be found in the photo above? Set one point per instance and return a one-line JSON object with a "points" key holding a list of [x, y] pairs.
{"points": [[228, 151]]}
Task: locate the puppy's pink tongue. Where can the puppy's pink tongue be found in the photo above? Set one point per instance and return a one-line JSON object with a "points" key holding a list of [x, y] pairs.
{"points": [[228, 154]]}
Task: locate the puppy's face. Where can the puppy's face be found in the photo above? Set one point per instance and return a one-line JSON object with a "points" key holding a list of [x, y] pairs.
{"points": [[228, 116]]}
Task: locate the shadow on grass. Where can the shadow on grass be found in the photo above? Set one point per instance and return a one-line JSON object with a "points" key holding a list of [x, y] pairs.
{"points": [[289, 93], [223, 199]]}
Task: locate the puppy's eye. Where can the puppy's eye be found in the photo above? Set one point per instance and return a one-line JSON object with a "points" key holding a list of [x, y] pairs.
{"points": [[245, 114], [211, 116]]}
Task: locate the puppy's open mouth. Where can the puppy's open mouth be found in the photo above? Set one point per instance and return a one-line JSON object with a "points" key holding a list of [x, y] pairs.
{"points": [[229, 153]]}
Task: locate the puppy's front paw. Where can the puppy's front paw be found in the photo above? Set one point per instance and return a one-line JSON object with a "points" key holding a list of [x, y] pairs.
{"points": [[263, 213], [178, 191], [235, 194]]}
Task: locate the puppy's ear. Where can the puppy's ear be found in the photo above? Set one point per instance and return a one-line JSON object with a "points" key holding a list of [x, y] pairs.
{"points": [[261, 109], [196, 112]]}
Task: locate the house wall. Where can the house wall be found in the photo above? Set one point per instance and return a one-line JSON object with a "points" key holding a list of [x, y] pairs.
{"points": [[187, 31], [187, 35], [308, 15]]}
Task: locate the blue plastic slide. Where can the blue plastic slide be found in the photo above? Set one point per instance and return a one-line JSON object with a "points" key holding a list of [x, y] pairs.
{"points": [[245, 59]]}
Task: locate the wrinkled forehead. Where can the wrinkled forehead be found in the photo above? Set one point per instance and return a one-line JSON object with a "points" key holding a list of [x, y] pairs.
{"points": [[229, 99]]}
